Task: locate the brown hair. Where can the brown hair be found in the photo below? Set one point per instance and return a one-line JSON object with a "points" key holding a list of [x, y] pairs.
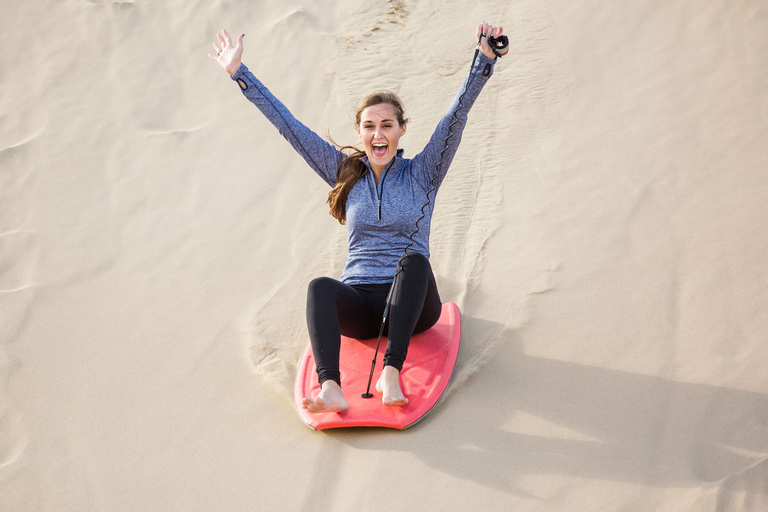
{"points": [[351, 169]]}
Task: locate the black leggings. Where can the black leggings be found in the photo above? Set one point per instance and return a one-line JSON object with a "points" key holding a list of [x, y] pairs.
{"points": [[356, 311]]}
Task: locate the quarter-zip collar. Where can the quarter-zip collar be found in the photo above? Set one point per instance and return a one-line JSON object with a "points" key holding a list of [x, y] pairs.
{"points": [[380, 185]]}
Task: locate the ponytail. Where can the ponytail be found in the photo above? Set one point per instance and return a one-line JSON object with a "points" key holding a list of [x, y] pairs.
{"points": [[350, 169]]}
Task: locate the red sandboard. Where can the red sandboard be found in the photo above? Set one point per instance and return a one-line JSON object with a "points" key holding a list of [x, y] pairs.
{"points": [[424, 378]]}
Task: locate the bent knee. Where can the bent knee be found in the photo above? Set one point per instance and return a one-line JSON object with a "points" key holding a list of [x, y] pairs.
{"points": [[321, 287], [414, 260]]}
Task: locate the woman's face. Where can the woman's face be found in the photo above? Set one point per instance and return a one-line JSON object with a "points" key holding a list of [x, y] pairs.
{"points": [[380, 132]]}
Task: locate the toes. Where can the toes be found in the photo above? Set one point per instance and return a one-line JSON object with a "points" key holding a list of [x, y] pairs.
{"points": [[395, 402], [313, 405]]}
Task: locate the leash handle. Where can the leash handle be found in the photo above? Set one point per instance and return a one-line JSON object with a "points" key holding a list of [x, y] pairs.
{"points": [[499, 45]]}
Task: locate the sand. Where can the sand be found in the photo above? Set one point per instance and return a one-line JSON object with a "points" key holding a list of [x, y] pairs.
{"points": [[603, 229]]}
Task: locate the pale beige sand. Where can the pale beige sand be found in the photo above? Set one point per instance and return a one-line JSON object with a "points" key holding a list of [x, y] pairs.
{"points": [[603, 229]]}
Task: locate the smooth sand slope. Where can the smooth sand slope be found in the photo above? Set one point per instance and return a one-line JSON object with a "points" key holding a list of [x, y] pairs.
{"points": [[603, 229]]}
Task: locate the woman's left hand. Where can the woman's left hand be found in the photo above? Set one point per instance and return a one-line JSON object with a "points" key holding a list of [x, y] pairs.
{"points": [[483, 30]]}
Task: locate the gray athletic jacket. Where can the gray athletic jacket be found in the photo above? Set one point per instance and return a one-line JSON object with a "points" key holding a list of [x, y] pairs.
{"points": [[380, 218]]}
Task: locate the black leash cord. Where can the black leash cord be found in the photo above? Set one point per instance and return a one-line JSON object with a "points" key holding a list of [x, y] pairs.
{"points": [[500, 47]]}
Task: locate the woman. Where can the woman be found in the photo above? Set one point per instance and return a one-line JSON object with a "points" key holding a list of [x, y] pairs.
{"points": [[379, 195]]}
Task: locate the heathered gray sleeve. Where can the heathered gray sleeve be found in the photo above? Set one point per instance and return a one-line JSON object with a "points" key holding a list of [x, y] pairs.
{"points": [[447, 138], [321, 155]]}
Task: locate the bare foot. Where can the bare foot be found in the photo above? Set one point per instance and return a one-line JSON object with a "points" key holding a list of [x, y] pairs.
{"points": [[330, 399], [389, 387]]}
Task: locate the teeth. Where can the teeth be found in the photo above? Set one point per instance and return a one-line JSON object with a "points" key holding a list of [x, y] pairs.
{"points": [[380, 144]]}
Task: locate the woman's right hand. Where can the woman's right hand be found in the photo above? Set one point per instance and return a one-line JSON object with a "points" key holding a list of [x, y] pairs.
{"points": [[228, 55]]}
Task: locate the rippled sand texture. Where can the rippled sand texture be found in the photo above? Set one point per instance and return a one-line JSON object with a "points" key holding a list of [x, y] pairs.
{"points": [[603, 229]]}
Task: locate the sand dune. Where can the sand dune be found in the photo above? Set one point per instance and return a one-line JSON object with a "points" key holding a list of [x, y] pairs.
{"points": [[603, 229]]}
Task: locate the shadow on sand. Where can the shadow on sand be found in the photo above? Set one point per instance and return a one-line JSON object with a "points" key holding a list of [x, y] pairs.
{"points": [[605, 424]]}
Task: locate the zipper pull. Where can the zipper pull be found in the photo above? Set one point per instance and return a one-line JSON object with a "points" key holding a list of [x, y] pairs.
{"points": [[379, 208]]}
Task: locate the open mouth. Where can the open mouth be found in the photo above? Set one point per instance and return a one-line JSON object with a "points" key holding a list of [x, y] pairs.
{"points": [[379, 149]]}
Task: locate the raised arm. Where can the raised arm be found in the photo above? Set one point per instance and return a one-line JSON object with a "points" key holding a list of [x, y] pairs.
{"points": [[321, 156], [444, 142]]}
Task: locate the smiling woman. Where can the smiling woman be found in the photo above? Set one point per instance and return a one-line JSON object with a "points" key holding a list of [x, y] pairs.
{"points": [[380, 122], [380, 125], [382, 210]]}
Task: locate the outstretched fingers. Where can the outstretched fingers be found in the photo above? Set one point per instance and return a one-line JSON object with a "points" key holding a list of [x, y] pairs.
{"points": [[227, 55], [227, 39], [218, 48]]}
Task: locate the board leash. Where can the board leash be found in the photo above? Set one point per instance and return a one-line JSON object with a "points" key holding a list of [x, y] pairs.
{"points": [[500, 47]]}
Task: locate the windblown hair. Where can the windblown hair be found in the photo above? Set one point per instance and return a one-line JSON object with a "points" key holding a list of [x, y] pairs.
{"points": [[351, 168]]}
